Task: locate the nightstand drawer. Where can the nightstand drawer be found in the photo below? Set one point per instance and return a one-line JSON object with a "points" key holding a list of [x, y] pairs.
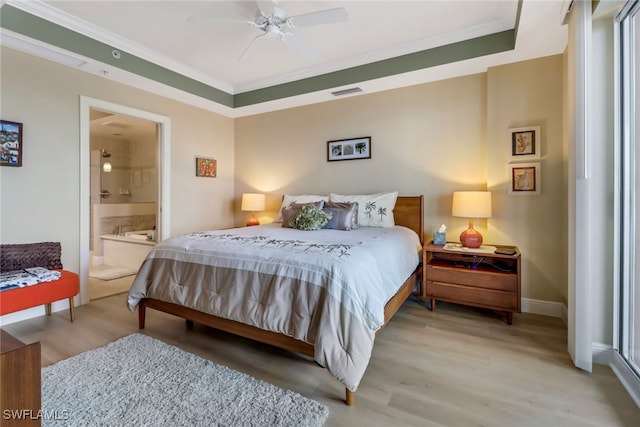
{"points": [[464, 276], [472, 296]]}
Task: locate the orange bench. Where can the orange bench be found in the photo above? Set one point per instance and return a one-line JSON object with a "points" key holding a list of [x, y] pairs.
{"points": [[20, 256]]}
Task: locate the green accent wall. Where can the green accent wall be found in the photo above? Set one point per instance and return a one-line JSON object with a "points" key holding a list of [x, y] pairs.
{"points": [[467, 49], [21, 22]]}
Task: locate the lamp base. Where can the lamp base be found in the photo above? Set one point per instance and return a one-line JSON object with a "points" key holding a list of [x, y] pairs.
{"points": [[253, 221], [470, 238]]}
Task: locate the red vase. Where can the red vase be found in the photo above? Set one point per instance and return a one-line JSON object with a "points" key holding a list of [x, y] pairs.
{"points": [[471, 238]]}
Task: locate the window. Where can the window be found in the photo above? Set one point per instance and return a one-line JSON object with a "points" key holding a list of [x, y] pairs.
{"points": [[629, 183]]}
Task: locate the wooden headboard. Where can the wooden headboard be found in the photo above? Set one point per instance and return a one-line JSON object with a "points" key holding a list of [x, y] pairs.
{"points": [[409, 212]]}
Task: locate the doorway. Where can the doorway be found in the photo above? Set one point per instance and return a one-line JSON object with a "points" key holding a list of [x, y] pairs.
{"points": [[123, 211], [138, 191]]}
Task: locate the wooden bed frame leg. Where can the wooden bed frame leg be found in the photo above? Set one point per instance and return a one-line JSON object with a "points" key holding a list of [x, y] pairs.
{"points": [[189, 324], [350, 397], [141, 315]]}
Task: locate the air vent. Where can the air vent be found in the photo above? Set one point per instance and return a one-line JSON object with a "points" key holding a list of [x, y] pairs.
{"points": [[346, 91]]}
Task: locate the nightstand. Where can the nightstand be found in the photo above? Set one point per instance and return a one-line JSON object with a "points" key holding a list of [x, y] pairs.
{"points": [[20, 388], [472, 277]]}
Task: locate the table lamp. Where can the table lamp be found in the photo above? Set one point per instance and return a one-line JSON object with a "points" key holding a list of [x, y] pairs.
{"points": [[253, 202], [471, 204]]}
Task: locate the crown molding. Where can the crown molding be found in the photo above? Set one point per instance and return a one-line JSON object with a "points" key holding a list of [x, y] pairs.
{"points": [[70, 22], [492, 27]]}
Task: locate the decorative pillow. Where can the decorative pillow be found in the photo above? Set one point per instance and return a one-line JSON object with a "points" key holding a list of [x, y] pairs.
{"points": [[301, 199], [294, 209], [310, 218], [374, 210], [344, 216]]}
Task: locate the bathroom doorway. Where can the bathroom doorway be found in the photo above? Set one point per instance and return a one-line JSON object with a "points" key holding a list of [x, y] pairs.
{"points": [[124, 198], [124, 179]]}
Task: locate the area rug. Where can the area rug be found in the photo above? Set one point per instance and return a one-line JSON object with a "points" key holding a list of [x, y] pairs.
{"points": [[139, 380], [111, 273]]}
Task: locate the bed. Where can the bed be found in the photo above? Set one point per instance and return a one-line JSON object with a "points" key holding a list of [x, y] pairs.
{"points": [[290, 288]]}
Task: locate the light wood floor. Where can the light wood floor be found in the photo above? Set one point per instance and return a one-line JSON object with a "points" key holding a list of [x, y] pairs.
{"points": [[104, 288], [456, 367]]}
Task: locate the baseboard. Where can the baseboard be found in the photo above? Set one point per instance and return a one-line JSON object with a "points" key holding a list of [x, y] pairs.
{"points": [[545, 308]]}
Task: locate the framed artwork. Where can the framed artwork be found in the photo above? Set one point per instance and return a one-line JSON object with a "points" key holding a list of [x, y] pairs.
{"points": [[525, 143], [524, 179], [349, 149], [206, 167], [10, 143]]}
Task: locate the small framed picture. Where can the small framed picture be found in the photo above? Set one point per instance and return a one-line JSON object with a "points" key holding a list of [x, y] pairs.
{"points": [[525, 143], [524, 179], [10, 143], [349, 149], [206, 167]]}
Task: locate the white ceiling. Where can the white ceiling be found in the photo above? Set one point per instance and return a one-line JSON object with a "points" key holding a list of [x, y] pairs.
{"points": [[158, 31], [109, 126]]}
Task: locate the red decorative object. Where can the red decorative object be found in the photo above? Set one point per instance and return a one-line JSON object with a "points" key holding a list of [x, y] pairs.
{"points": [[471, 238]]}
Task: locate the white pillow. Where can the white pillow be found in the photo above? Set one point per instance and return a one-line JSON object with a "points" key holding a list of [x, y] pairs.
{"points": [[374, 210], [303, 198]]}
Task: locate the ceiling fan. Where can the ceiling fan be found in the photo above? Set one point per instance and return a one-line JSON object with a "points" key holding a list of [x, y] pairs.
{"points": [[274, 22]]}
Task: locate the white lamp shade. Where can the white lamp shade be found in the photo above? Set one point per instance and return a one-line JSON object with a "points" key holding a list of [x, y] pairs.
{"points": [[106, 167], [471, 204], [253, 202]]}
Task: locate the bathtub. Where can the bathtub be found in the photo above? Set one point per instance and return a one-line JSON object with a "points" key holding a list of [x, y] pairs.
{"points": [[141, 235], [129, 250]]}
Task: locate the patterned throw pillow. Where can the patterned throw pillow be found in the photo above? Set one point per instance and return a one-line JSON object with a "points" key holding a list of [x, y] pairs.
{"points": [[374, 210], [300, 199]]}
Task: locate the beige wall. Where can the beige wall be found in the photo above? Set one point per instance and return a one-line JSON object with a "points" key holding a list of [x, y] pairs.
{"points": [[429, 139], [525, 94], [40, 201]]}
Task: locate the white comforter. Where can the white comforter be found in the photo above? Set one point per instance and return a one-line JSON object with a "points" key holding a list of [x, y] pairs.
{"points": [[327, 287]]}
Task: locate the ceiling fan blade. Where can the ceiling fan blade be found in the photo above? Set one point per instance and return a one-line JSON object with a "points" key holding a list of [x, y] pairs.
{"points": [[251, 44], [210, 20], [299, 46], [329, 16], [266, 7]]}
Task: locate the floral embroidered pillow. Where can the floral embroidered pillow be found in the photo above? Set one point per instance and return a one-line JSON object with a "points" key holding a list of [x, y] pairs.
{"points": [[374, 210]]}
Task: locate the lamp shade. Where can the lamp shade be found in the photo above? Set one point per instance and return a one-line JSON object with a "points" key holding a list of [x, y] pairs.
{"points": [[253, 202], [471, 204]]}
